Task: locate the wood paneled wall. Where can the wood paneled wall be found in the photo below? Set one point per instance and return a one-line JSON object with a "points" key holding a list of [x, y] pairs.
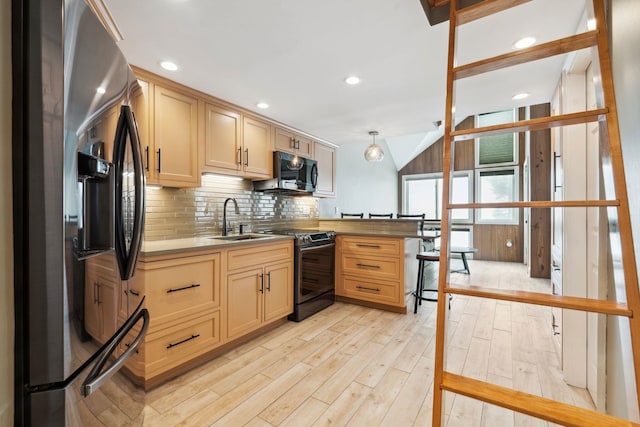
{"points": [[540, 189], [490, 240]]}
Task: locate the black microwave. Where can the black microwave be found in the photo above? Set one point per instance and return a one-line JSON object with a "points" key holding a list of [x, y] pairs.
{"points": [[291, 174]]}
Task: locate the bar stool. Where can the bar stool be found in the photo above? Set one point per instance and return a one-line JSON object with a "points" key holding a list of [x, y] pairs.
{"points": [[355, 215], [422, 257], [380, 215]]}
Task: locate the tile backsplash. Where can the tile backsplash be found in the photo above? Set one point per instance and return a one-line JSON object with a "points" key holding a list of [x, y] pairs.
{"points": [[174, 213]]}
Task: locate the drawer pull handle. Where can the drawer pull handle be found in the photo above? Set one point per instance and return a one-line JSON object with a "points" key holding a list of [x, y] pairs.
{"points": [[195, 285], [192, 337], [364, 288], [261, 284], [269, 281], [129, 345], [362, 245], [367, 265], [134, 292]]}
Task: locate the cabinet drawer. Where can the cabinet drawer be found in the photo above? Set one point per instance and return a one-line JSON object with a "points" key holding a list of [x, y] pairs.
{"points": [[368, 266], [182, 343], [387, 293], [371, 245], [259, 255], [178, 286]]}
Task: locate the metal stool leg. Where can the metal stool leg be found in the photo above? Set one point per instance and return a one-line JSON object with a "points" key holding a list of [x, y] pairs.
{"points": [[418, 292]]}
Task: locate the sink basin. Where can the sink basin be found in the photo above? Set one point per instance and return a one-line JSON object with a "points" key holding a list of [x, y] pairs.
{"points": [[240, 237]]}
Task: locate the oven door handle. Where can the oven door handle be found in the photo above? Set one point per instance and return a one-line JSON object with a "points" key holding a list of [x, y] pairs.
{"points": [[322, 245]]}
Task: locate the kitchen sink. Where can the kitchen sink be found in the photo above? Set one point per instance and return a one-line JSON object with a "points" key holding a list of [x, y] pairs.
{"points": [[240, 237]]}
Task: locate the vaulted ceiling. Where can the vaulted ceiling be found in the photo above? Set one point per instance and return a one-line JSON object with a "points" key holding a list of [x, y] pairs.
{"points": [[295, 55]]}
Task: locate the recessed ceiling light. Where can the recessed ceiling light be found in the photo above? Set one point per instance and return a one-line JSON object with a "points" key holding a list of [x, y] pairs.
{"points": [[524, 43], [168, 65], [352, 80], [262, 105], [591, 24], [520, 96], [101, 90]]}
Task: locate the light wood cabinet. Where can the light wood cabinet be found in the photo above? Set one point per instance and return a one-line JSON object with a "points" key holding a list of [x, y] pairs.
{"points": [[101, 297], [291, 142], [371, 270], [168, 128], [259, 286], [221, 140], [257, 148], [175, 141], [326, 157], [182, 295]]}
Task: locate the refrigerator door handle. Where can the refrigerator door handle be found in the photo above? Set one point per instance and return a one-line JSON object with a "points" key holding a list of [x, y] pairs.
{"points": [[96, 377], [127, 255]]}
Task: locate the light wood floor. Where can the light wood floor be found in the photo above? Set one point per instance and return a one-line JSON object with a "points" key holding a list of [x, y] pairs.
{"points": [[355, 366]]}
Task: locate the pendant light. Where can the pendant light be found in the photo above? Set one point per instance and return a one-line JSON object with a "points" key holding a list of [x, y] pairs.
{"points": [[374, 152]]}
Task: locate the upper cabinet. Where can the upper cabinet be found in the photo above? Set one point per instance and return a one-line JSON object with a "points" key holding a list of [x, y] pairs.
{"points": [[326, 157], [257, 157], [221, 140], [234, 144], [184, 132], [175, 130], [290, 142], [168, 128]]}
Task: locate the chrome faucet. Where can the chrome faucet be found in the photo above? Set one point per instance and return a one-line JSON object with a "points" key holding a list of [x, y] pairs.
{"points": [[225, 228]]}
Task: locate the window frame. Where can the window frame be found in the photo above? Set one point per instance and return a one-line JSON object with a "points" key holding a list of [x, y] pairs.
{"points": [[515, 217], [439, 175], [515, 145]]}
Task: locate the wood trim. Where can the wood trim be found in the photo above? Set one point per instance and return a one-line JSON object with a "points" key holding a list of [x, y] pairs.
{"points": [[536, 406], [538, 204], [532, 124], [485, 8], [548, 300], [545, 50]]}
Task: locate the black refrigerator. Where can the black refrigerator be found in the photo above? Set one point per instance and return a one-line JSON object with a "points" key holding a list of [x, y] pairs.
{"points": [[77, 194]]}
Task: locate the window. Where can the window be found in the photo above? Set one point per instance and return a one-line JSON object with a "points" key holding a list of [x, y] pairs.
{"points": [[423, 194], [496, 185], [496, 150]]}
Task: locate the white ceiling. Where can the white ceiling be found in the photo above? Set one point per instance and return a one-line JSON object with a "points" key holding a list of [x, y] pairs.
{"points": [[295, 54]]}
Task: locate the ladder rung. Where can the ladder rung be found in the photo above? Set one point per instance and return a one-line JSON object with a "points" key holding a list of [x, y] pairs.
{"points": [[532, 124], [525, 403], [485, 8], [546, 50], [537, 204], [548, 300]]}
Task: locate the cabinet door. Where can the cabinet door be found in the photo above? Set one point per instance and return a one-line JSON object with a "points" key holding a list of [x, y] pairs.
{"points": [[221, 140], [326, 157], [91, 306], [278, 292], [244, 302], [175, 138], [140, 106], [284, 140], [101, 301], [257, 157]]}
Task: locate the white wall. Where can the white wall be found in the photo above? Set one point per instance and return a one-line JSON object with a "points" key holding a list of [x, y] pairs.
{"points": [[362, 186], [621, 399], [6, 228]]}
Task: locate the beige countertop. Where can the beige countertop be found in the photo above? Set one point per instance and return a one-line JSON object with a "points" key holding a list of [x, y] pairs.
{"points": [[164, 247], [426, 235]]}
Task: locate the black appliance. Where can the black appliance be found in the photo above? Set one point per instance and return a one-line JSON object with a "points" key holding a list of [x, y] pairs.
{"points": [[313, 267], [292, 174], [73, 199]]}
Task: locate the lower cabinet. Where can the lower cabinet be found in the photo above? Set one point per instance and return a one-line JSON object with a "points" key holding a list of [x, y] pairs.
{"points": [[101, 297], [192, 314], [258, 292], [370, 270]]}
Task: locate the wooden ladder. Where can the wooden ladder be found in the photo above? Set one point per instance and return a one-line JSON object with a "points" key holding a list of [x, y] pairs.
{"points": [[606, 115]]}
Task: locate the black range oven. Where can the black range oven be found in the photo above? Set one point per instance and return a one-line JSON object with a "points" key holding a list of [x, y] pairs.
{"points": [[313, 280]]}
